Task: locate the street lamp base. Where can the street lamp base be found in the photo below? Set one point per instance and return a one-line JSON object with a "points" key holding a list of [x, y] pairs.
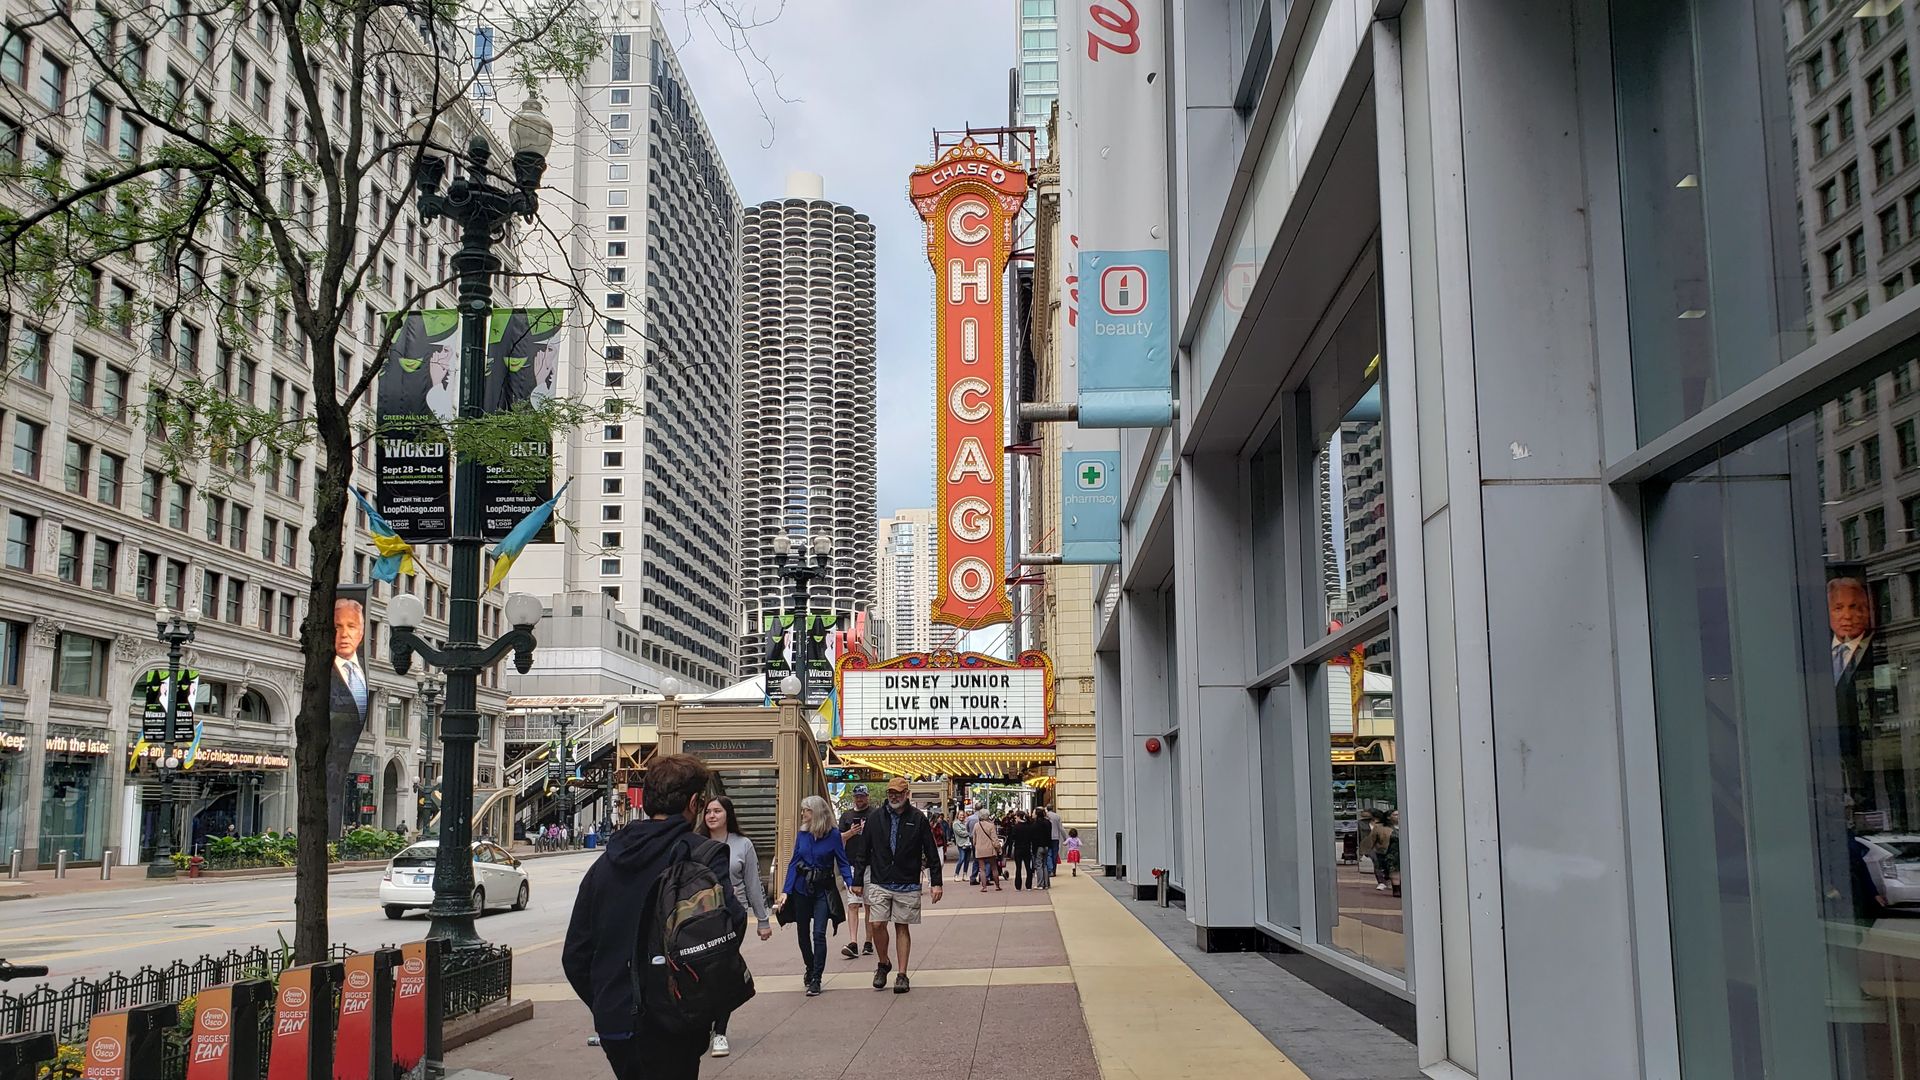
{"points": [[162, 868], [456, 929]]}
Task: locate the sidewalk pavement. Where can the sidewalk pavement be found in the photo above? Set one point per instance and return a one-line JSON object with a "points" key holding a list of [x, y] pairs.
{"points": [[1057, 985]]}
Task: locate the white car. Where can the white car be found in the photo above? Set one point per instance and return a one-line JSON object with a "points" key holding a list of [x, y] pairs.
{"points": [[498, 879], [1894, 859]]}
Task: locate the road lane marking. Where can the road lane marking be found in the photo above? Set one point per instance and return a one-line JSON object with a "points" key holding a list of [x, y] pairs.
{"points": [[49, 958]]}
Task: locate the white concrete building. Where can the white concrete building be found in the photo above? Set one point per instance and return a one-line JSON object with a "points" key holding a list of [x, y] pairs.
{"points": [[908, 546], [808, 464], [639, 203]]}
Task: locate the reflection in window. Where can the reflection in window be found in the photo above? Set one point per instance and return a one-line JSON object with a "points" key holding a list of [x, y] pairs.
{"points": [[1365, 917]]}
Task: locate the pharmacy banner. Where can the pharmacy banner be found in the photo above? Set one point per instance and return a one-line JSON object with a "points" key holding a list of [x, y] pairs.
{"points": [[414, 401], [1090, 507], [523, 360], [968, 199], [1117, 53]]}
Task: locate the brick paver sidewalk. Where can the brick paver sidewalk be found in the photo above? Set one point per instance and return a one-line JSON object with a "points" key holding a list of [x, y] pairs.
{"points": [[993, 996]]}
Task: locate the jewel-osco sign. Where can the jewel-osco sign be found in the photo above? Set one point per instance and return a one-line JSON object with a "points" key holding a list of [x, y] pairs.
{"points": [[968, 200]]}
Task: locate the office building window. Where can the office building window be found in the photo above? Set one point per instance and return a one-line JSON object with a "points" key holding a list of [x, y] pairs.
{"points": [[80, 665], [22, 530], [106, 559], [72, 546], [27, 437]]}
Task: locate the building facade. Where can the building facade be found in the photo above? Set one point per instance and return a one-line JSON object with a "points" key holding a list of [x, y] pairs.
{"points": [[908, 562], [1037, 74], [1512, 628], [101, 532], [808, 459], [643, 208]]}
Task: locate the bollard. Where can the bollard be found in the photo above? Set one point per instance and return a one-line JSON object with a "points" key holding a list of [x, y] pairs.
{"points": [[13, 864], [60, 863], [226, 1031], [106, 865], [21, 1055], [1160, 888], [130, 1042]]}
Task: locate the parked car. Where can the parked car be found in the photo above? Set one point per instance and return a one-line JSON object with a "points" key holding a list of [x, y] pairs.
{"points": [[498, 879], [1894, 859]]}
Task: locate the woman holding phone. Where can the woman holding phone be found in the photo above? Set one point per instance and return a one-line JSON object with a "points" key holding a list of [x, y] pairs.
{"points": [[719, 823], [811, 888]]}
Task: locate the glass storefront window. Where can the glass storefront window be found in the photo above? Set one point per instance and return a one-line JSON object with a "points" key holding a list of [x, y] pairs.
{"points": [[1349, 474], [75, 803], [1269, 551], [1361, 910], [13, 786], [1278, 783]]}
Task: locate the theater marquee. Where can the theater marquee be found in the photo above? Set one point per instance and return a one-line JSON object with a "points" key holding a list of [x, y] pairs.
{"points": [[945, 700], [968, 200]]}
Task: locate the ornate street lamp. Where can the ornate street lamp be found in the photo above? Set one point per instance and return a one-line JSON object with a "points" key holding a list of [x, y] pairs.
{"points": [[482, 204], [801, 572], [176, 630], [429, 687]]}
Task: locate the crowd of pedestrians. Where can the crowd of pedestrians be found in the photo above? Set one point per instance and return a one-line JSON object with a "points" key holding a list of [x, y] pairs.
{"points": [[874, 866]]}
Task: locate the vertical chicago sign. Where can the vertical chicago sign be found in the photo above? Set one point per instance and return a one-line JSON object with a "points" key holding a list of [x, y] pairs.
{"points": [[968, 200]]}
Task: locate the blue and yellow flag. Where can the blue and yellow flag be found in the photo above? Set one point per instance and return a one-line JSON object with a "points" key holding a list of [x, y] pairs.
{"points": [[193, 748], [396, 555], [510, 546]]}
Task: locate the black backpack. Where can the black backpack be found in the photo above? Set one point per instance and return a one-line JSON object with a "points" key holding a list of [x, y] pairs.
{"points": [[688, 971]]}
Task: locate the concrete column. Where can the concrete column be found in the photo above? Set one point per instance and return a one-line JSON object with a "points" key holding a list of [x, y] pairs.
{"points": [[1147, 816], [1110, 735], [1219, 744]]}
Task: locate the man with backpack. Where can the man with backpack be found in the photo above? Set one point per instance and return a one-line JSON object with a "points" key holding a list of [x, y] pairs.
{"points": [[654, 945]]}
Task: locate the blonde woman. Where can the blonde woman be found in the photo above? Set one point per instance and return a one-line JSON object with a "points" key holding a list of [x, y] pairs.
{"points": [[817, 853]]}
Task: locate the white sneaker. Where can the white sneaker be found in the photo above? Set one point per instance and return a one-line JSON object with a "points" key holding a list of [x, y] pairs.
{"points": [[1379, 888], [720, 1047]]}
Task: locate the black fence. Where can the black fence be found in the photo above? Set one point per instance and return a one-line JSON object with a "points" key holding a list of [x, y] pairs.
{"points": [[471, 980]]}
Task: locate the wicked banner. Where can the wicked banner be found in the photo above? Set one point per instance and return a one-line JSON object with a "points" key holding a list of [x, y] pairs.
{"points": [[783, 647], [416, 398], [419, 395], [523, 357]]}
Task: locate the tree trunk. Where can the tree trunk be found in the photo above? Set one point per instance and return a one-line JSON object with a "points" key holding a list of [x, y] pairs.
{"points": [[312, 728]]}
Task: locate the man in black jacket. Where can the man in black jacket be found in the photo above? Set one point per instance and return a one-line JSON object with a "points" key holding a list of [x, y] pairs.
{"points": [[606, 923], [886, 873]]}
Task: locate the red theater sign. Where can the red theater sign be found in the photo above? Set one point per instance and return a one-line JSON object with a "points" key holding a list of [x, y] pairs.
{"points": [[968, 200]]}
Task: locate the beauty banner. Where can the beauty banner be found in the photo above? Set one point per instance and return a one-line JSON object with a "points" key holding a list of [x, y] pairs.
{"points": [[107, 1049], [210, 1054], [1116, 50], [416, 396], [523, 360], [410, 1007], [968, 200], [291, 1050]]}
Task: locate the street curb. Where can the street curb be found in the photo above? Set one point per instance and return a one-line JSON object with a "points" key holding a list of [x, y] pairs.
{"points": [[492, 1019]]}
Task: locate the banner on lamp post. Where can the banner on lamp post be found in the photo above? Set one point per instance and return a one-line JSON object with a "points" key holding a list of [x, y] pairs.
{"points": [[414, 401], [1117, 52], [968, 199], [523, 358]]}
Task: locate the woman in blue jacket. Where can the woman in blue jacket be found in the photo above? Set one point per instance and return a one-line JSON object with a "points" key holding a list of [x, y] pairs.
{"points": [[817, 852]]}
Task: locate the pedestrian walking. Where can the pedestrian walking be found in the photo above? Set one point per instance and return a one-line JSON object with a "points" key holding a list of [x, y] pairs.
{"points": [[899, 848], [1057, 836], [811, 897], [986, 850], [1373, 846], [1040, 841], [963, 847], [1073, 851], [720, 823], [1020, 850], [852, 824], [604, 933]]}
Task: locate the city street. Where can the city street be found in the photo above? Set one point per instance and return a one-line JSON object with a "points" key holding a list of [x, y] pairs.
{"points": [[119, 929]]}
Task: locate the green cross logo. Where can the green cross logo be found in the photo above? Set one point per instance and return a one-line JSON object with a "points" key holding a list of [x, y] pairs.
{"points": [[1093, 476]]}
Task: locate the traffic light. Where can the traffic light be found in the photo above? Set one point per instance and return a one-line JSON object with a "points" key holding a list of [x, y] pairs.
{"points": [[430, 800]]}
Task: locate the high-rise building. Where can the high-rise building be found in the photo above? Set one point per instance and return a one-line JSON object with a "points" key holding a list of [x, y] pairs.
{"points": [[908, 549], [642, 208], [101, 530], [807, 369], [1039, 69]]}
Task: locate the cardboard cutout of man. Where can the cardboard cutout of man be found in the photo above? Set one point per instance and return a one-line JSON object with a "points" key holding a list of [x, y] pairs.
{"points": [[348, 694]]}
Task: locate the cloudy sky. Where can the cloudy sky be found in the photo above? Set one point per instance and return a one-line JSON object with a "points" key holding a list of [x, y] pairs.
{"points": [[862, 85]]}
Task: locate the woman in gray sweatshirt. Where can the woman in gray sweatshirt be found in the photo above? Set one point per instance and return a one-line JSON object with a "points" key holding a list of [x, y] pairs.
{"points": [[720, 824]]}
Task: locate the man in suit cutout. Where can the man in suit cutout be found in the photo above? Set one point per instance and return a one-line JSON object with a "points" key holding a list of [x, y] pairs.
{"points": [[347, 697], [1850, 617]]}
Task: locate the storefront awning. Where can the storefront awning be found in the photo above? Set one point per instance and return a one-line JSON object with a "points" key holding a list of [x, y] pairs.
{"points": [[918, 764], [1039, 782]]}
